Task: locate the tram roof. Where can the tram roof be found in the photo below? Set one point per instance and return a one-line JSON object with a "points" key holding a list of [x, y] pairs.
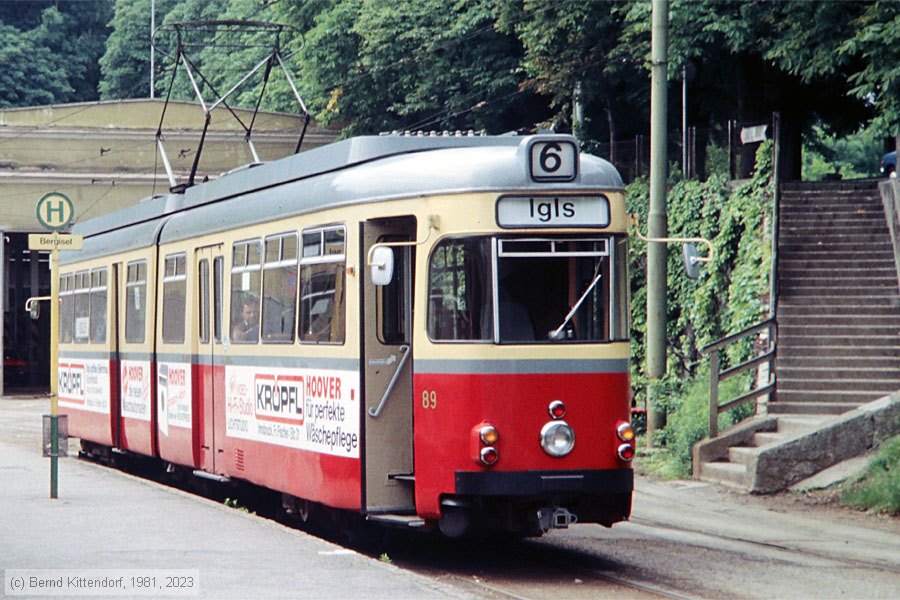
{"points": [[356, 170]]}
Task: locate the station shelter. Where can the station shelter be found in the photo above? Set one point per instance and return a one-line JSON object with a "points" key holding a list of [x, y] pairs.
{"points": [[104, 156]]}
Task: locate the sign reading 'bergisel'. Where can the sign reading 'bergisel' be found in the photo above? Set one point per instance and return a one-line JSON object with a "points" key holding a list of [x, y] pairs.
{"points": [[54, 212]]}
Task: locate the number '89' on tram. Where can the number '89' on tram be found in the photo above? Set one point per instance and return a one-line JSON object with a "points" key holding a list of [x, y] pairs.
{"points": [[425, 330]]}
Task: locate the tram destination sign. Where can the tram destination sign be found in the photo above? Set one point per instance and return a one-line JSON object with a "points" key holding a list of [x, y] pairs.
{"points": [[518, 212]]}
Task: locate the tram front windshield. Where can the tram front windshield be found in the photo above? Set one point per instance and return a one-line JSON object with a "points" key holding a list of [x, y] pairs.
{"points": [[528, 290]]}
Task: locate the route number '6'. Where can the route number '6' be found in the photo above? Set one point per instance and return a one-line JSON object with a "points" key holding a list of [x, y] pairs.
{"points": [[429, 399], [554, 160]]}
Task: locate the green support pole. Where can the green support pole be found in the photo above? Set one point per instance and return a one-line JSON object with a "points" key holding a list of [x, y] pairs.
{"points": [[658, 227], [54, 367]]}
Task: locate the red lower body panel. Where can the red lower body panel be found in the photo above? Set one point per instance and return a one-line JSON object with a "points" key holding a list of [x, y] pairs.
{"points": [[448, 406]]}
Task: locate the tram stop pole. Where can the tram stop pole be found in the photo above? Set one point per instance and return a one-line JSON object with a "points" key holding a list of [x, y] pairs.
{"points": [[54, 373], [657, 219], [54, 212]]}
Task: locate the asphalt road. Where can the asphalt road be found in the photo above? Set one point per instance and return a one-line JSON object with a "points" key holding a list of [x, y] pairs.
{"points": [[685, 540]]}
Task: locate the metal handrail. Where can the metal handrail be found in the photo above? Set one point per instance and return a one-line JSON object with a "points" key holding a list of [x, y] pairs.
{"points": [[716, 376], [376, 412]]}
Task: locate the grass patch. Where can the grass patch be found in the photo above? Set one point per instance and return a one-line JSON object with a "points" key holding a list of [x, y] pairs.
{"points": [[688, 423], [878, 489]]}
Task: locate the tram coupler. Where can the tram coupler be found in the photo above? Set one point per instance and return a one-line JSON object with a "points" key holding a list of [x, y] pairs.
{"points": [[555, 518]]}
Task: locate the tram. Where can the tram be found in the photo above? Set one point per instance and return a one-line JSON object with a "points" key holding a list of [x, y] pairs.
{"points": [[429, 330]]}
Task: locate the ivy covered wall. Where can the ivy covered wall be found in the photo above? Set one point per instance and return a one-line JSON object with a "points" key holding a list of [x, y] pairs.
{"points": [[733, 290]]}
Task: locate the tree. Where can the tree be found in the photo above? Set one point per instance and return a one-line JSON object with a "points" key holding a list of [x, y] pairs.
{"points": [[30, 76], [50, 55], [385, 65], [125, 66]]}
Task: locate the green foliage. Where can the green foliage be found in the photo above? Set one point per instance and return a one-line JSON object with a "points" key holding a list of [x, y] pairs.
{"points": [[730, 295], [53, 58], [879, 488], [688, 423], [412, 64], [732, 291], [851, 156], [125, 65]]}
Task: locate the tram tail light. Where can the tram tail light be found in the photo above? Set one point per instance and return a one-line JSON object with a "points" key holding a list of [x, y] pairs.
{"points": [[489, 455], [557, 409], [483, 438], [625, 432], [625, 452]]}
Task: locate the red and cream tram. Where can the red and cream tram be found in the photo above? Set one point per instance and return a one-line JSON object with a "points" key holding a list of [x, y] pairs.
{"points": [[420, 329]]}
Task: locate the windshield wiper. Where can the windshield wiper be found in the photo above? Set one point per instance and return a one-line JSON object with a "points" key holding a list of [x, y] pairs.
{"points": [[558, 334]]}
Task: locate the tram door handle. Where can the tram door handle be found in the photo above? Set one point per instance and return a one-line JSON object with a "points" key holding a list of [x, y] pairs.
{"points": [[376, 412]]}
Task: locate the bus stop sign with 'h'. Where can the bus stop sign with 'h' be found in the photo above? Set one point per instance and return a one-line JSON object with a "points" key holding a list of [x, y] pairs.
{"points": [[54, 212]]}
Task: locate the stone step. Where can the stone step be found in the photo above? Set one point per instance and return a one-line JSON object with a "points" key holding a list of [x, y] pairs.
{"points": [[839, 206], [849, 342], [794, 288], [819, 272], [849, 385], [808, 407], [786, 361], [789, 424], [796, 349], [879, 298], [889, 318], [846, 329], [824, 221], [854, 258], [827, 262], [726, 473], [855, 247], [767, 438], [835, 374], [742, 455], [794, 307], [829, 230]]}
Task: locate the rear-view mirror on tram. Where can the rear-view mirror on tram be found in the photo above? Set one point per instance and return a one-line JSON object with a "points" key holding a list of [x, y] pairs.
{"points": [[33, 306], [382, 263]]}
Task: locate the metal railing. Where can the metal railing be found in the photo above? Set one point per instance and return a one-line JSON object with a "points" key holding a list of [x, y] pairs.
{"points": [[716, 376], [891, 200]]}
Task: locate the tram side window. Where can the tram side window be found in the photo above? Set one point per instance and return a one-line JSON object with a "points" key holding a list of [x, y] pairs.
{"points": [[218, 288], [98, 306], [279, 288], [459, 301], [620, 300], [174, 291], [322, 266], [203, 305], [135, 302], [246, 265], [82, 307], [66, 308]]}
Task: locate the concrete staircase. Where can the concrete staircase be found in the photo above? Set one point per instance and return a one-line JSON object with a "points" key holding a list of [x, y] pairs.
{"points": [[838, 309], [838, 350]]}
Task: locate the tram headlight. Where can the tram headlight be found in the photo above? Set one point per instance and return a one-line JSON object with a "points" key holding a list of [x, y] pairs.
{"points": [[557, 438]]}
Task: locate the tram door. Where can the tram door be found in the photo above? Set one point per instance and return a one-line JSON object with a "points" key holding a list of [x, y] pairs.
{"points": [[209, 270], [387, 362]]}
